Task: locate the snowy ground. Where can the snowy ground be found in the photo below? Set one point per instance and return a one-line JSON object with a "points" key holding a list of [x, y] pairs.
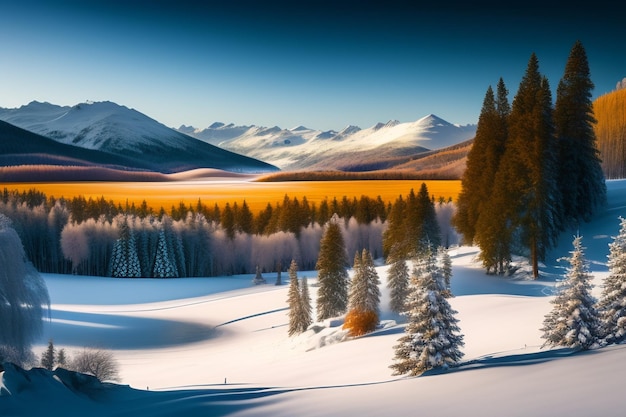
{"points": [[183, 339]]}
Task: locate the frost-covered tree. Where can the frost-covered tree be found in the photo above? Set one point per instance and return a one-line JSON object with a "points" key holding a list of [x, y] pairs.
{"points": [[612, 304], [332, 294], [305, 304], [24, 297], [124, 259], [97, 362], [258, 278], [397, 281], [62, 359], [445, 264], [364, 296], [48, 356], [299, 302], [432, 338], [293, 300], [164, 266], [574, 319]]}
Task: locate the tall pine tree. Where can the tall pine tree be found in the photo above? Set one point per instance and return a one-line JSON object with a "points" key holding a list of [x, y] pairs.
{"points": [[294, 300], [580, 173], [526, 195], [483, 160], [332, 294], [574, 320]]}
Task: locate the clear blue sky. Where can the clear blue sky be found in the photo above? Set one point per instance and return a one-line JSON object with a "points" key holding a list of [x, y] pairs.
{"points": [[322, 64]]}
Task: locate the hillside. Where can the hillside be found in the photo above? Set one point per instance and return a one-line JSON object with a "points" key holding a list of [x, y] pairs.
{"points": [[127, 133], [219, 346], [352, 149]]}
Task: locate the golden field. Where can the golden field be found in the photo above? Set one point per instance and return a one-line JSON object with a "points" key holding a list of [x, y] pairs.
{"points": [[256, 194]]}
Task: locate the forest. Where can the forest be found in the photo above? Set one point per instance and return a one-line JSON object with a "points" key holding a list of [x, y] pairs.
{"points": [[101, 238]]}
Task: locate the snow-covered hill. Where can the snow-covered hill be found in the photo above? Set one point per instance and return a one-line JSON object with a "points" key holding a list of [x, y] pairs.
{"points": [[219, 346], [349, 149], [109, 127]]}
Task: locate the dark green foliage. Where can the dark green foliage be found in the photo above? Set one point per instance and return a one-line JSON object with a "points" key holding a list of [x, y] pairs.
{"points": [[483, 161], [48, 357], [580, 173], [397, 281], [332, 295]]}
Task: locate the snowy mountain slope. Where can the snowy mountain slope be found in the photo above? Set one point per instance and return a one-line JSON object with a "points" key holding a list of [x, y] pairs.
{"points": [[304, 148], [116, 129]]}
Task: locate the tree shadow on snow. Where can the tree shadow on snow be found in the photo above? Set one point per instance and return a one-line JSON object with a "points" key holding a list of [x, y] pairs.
{"points": [[112, 331]]}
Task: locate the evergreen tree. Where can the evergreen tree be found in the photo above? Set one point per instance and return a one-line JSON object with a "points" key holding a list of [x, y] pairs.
{"points": [[124, 258], [258, 278], [305, 305], [574, 320], [423, 228], [294, 300], [332, 294], [445, 264], [299, 302], [163, 265], [580, 173], [48, 356], [364, 296], [527, 196], [432, 338], [396, 234], [483, 160], [62, 360], [612, 304], [397, 281]]}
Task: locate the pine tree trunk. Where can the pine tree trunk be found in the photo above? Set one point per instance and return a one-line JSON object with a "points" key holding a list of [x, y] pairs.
{"points": [[535, 260]]}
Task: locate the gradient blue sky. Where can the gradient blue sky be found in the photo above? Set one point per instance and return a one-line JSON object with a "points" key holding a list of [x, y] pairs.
{"points": [[323, 64]]}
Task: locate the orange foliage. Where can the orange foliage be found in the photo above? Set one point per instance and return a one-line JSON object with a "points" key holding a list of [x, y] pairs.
{"points": [[610, 112], [256, 194], [359, 322]]}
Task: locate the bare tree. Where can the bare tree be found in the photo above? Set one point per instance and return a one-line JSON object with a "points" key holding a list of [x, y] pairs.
{"points": [[97, 362]]}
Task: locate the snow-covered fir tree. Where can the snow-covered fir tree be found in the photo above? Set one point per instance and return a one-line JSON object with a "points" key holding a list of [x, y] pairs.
{"points": [[445, 263], [612, 304], [124, 258], [299, 302], [164, 267], [432, 338], [397, 281], [258, 278], [574, 320], [48, 356], [294, 300], [305, 304], [364, 296], [332, 294]]}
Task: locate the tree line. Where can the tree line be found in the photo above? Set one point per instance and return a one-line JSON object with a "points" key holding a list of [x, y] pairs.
{"points": [[99, 237], [534, 168]]}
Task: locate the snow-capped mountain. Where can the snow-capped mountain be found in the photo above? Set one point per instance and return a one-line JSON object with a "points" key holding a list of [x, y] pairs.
{"points": [[109, 127], [304, 148]]}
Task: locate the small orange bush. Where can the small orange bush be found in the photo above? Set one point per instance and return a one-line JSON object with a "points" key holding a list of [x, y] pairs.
{"points": [[360, 322]]}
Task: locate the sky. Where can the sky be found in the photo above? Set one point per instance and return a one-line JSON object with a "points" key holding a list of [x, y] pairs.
{"points": [[322, 64]]}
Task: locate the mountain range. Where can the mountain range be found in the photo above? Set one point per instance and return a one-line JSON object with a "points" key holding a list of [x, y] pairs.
{"points": [[381, 146], [119, 135], [106, 134]]}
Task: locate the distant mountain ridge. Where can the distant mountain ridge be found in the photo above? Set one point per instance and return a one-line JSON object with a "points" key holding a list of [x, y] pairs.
{"points": [[352, 148], [127, 134]]}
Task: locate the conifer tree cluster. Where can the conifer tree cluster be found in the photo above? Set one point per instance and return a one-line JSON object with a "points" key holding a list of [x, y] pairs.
{"points": [[413, 225], [534, 169], [432, 336], [299, 302], [364, 296]]}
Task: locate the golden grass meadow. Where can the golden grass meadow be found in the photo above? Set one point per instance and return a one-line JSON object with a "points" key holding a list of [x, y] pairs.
{"points": [[256, 194]]}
